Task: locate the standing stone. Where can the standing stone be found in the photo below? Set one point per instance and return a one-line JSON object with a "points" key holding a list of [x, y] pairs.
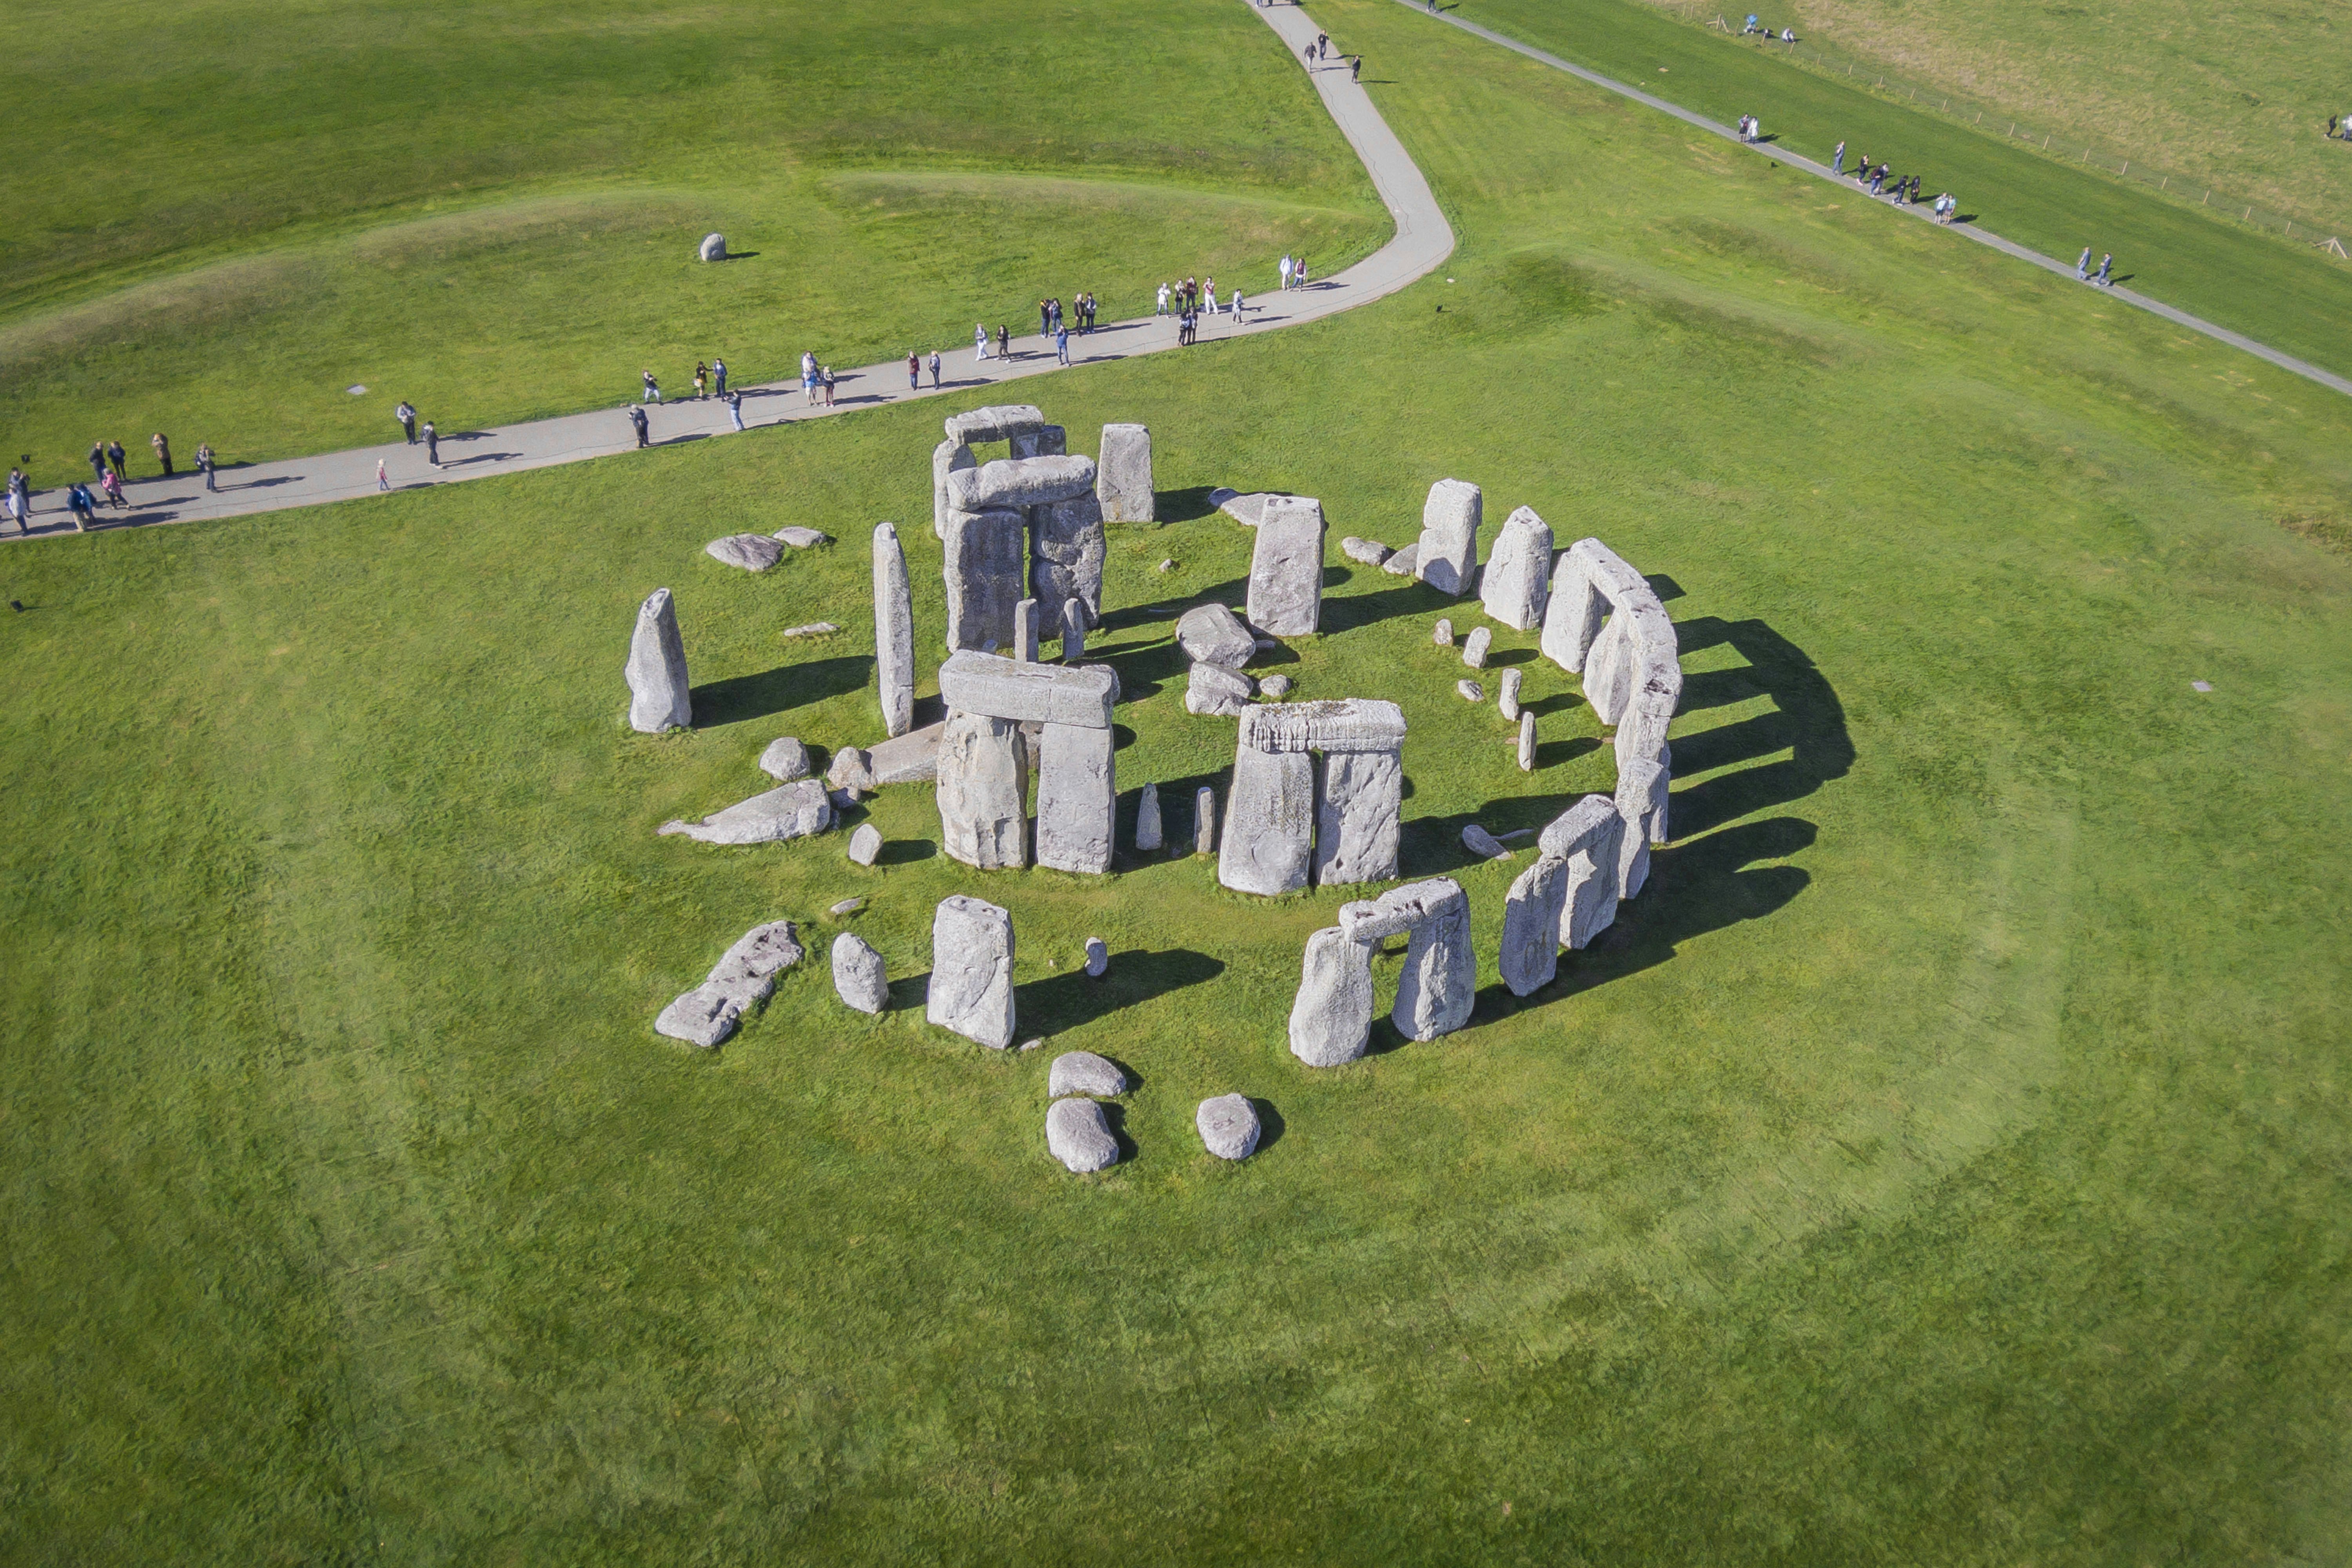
{"points": [[1442, 634], [1024, 631], [1331, 1018], [1585, 838], [986, 569], [857, 974], [1448, 546], [1269, 822], [1077, 798], [1469, 691], [894, 631], [1510, 698], [1078, 1135], [1045, 441], [1531, 922], [1440, 982], [1147, 818], [1074, 631], [1609, 668], [1123, 474], [1228, 1126], [982, 791], [1526, 743], [865, 844], [1286, 580], [1516, 587], [1204, 821], [1572, 616], [947, 458], [655, 672], [1483, 843], [1212, 633], [971, 970], [1065, 549], [1359, 813], [1098, 957], [1475, 646], [1643, 730], [1641, 801]]}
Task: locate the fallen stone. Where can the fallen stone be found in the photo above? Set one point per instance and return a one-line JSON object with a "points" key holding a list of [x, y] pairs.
{"points": [[1509, 699], [1516, 587], [741, 980], [1370, 551], [1245, 509], [1078, 1135], [1001, 422], [983, 791], [1526, 743], [948, 458], [1098, 957], [1212, 633], [1531, 922], [795, 810], [865, 844], [1031, 1045], [1204, 821], [752, 551], [857, 974], [1045, 441], [801, 538], [1020, 482], [655, 671], [1024, 632], [1475, 646], [1442, 634], [1470, 691], [1228, 1126], [1168, 566], [1032, 693], [986, 574], [1215, 689], [846, 907], [1269, 822], [1077, 798], [1439, 983], [1359, 808], [1403, 562], [894, 631], [1448, 546], [971, 970], [1275, 686], [910, 758], [1123, 475], [1332, 1018], [1286, 580], [1147, 818], [713, 248], [1481, 842], [785, 760], [851, 768], [1083, 1072], [814, 629]]}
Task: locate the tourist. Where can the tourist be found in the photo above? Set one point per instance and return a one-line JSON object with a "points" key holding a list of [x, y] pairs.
{"points": [[1307, 53], [719, 374], [828, 386], [1283, 267], [1237, 306], [2083, 266], [1862, 170], [1356, 69], [163, 445], [85, 511], [115, 454], [1322, 45], [111, 487], [1837, 161], [2107, 266], [1209, 293], [1915, 190], [914, 371], [20, 500], [979, 342], [1162, 308], [652, 391], [1062, 344], [1044, 317], [638, 423], [734, 401], [701, 381], [383, 479], [1003, 342], [1878, 181], [1298, 273], [407, 417], [205, 465], [935, 370], [433, 444], [97, 461]]}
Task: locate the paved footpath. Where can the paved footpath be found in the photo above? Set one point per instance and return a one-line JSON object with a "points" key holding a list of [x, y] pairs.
{"points": [[2011, 248], [1423, 239]]}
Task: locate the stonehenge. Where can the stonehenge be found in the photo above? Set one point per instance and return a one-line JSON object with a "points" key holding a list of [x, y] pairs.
{"points": [[1567, 898], [893, 630], [1332, 1017], [1286, 580], [659, 695], [1446, 555], [1516, 587], [858, 978], [1289, 818], [982, 778], [1605, 622], [739, 981], [971, 989], [795, 810], [1026, 526], [1123, 475]]}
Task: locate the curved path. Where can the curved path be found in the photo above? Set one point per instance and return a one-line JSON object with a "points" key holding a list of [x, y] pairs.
{"points": [[1423, 239], [2051, 264]]}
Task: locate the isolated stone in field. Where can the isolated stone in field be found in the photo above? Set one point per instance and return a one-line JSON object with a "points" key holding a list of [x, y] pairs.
{"points": [[1269, 822], [801, 538], [949, 457], [1442, 634], [846, 907], [1404, 563], [741, 980], [752, 551], [1483, 843], [983, 792], [1228, 1126], [1078, 1135], [1440, 981], [1526, 743], [1448, 546], [785, 760], [1065, 557], [1516, 585], [1148, 835], [1123, 475], [1024, 631], [1286, 580], [1275, 686], [971, 970], [1077, 798], [795, 810], [655, 672], [1204, 821], [1098, 957], [1216, 690], [1469, 691], [999, 422], [713, 248], [857, 974], [893, 630], [1020, 482], [1045, 441], [1531, 922], [1083, 1072], [1212, 633], [1475, 646], [986, 574], [1368, 551], [1509, 699], [865, 844]]}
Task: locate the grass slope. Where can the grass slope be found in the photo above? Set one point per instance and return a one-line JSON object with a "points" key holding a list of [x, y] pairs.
{"points": [[1945, 1160]]}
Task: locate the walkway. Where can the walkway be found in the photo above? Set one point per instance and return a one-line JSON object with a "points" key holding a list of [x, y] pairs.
{"points": [[1423, 239], [2156, 307]]}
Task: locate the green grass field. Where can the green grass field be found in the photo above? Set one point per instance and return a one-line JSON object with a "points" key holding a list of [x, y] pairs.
{"points": [[1945, 1160]]}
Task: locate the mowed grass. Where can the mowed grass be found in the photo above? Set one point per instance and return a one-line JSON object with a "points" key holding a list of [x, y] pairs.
{"points": [[279, 204], [1944, 1160]]}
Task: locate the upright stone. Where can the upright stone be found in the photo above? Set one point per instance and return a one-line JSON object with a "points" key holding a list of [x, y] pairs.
{"points": [[948, 458], [1572, 616], [1641, 801], [1285, 581], [1359, 813], [1123, 474], [1440, 982], [1045, 441], [1066, 553], [1269, 822], [985, 571], [1448, 551], [858, 977], [1585, 837], [971, 970], [982, 791], [1531, 922], [1516, 587], [1509, 699], [893, 630], [1147, 818], [1204, 821], [659, 695], [1610, 670], [1475, 646], [1526, 743], [1024, 631], [1077, 798], [1332, 1018]]}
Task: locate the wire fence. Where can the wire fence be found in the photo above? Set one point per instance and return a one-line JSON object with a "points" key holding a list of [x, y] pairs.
{"points": [[1809, 56]]}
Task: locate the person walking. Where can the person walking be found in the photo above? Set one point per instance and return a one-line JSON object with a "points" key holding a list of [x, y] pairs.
{"points": [[701, 381], [407, 417], [935, 370], [1237, 307], [1062, 344], [2107, 266], [1283, 267], [432, 445], [97, 461], [207, 466], [651, 392], [1356, 69], [1298, 273], [2083, 266], [383, 479], [163, 445], [110, 486], [734, 401], [85, 511], [1837, 161], [914, 371], [638, 423], [719, 373], [828, 386], [16, 506], [1003, 342], [979, 343]]}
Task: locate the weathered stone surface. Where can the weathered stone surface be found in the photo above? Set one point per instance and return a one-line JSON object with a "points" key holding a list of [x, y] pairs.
{"points": [[857, 974], [1585, 838], [752, 551], [1404, 563], [1469, 691], [1065, 555], [1024, 632], [1508, 699], [1123, 475], [1228, 1126], [1074, 631], [1641, 801], [813, 630], [1148, 832], [1572, 616], [1269, 822], [1516, 587], [1526, 743], [1442, 634], [794, 810], [983, 785], [986, 573], [1483, 843], [1275, 686], [1608, 571], [784, 760], [1098, 957], [1642, 733], [1332, 1018], [1077, 798], [1531, 922], [1020, 482], [1348, 724], [1045, 441], [846, 907], [1609, 669], [1448, 546], [1372, 921], [713, 248], [801, 538], [1358, 811], [851, 768], [893, 630], [865, 844], [1204, 821], [1440, 981], [656, 671], [1079, 694], [1078, 1133], [1475, 646], [741, 980], [1212, 633], [1083, 1072], [1245, 509], [910, 758], [1219, 690], [1286, 580], [947, 458], [971, 970], [1001, 422], [1370, 551]]}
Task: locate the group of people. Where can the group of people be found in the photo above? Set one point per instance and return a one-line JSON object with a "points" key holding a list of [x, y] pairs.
{"points": [[1751, 128], [109, 470], [1294, 272], [1786, 35], [1050, 319], [1905, 189], [1320, 49], [2103, 277]]}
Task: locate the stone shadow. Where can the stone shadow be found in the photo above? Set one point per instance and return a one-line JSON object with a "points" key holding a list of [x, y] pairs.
{"points": [[1696, 886], [744, 697], [1807, 721], [1064, 1002], [1270, 1125]]}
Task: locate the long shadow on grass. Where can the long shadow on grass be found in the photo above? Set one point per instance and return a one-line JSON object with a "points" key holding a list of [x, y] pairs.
{"points": [[1068, 1001], [743, 697], [1808, 721]]}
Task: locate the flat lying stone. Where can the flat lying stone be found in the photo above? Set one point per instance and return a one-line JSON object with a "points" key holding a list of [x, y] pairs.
{"points": [[1021, 482], [752, 551], [1480, 842], [1083, 1072], [865, 844], [1277, 686], [910, 758], [1228, 1126], [857, 974], [741, 980], [999, 422], [814, 629], [1470, 691], [785, 760], [795, 810], [846, 907], [1370, 552], [984, 683], [1218, 691], [1212, 633], [1402, 562], [802, 538], [1078, 1135]]}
